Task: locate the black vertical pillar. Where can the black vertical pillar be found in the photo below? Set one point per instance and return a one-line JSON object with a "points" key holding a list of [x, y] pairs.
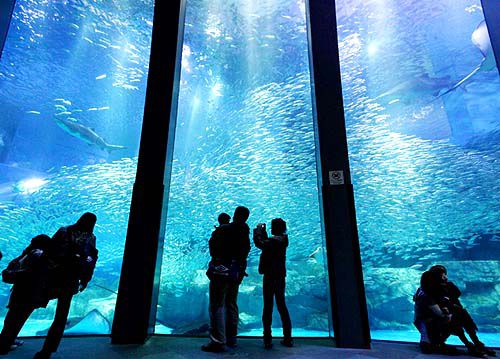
{"points": [[350, 317], [140, 277], [491, 9], [6, 9]]}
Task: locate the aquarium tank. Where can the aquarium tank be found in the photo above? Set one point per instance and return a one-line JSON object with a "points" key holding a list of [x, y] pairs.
{"points": [[72, 84], [425, 154], [424, 150]]}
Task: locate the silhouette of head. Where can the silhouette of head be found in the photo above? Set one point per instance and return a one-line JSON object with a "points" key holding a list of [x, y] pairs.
{"points": [[278, 227], [86, 222], [440, 271], [41, 241], [438, 268], [223, 218], [429, 282], [241, 214]]}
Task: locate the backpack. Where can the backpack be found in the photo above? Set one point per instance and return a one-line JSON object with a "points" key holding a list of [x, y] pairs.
{"points": [[18, 268], [229, 271]]}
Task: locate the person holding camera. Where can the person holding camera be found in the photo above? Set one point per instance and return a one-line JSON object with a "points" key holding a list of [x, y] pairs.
{"points": [[272, 266], [229, 247]]}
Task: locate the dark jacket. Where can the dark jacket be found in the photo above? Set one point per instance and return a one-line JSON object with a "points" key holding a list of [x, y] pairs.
{"points": [[33, 289], [230, 242], [273, 257], [70, 251]]}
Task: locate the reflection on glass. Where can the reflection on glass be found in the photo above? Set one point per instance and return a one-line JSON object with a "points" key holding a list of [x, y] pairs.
{"points": [[244, 137], [72, 83], [421, 97]]}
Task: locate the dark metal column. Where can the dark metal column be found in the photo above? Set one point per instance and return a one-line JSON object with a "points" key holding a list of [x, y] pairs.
{"points": [[350, 317], [491, 10], [6, 9], [140, 277]]}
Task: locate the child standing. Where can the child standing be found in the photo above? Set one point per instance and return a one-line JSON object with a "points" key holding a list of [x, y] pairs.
{"points": [[272, 266]]}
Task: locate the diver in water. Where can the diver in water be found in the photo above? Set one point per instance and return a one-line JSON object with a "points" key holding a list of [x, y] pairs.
{"points": [[272, 266], [448, 298], [59, 267]]}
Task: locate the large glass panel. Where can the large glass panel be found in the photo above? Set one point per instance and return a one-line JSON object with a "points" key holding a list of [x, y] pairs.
{"points": [[244, 136], [72, 83], [424, 150]]}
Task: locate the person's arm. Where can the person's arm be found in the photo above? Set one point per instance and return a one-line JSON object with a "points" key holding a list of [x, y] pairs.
{"points": [[88, 268], [436, 310], [213, 243], [259, 237], [246, 242]]}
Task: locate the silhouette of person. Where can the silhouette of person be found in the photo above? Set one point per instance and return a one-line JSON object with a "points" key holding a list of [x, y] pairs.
{"points": [[272, 266], [65, 266], [30, 291], [448, 299], [229, 248], [431, 321]]}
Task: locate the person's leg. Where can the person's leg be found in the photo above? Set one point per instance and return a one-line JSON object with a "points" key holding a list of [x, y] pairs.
{"points": [[267, 312], [232, 313], [471, 329], [283, 310], [216, 312], [13, 322], [56, 330]]}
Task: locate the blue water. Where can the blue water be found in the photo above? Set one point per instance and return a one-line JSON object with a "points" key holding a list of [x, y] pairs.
{"points": [[424, 169]]}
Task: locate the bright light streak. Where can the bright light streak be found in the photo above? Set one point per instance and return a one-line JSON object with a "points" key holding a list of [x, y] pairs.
{"points": [[30, 186], [216, 89], [372, 49]]}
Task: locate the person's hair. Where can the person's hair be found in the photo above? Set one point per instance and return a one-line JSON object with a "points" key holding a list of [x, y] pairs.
{"points": [[223, 218], [86, 222], [438, 268], [429, 282], [278, 227], [241, 214]]}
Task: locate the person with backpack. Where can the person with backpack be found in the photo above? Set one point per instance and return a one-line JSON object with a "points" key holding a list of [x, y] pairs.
{"points": [[229, 248], [65, 266], [28, 274], [272, 266]]}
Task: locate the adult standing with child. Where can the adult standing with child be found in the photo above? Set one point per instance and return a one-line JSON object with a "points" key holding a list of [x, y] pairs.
{"points": [[229, 248]]}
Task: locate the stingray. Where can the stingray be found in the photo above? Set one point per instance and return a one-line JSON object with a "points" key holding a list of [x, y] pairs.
{"points": [[481, 39], [413, 89], [92, 323]]}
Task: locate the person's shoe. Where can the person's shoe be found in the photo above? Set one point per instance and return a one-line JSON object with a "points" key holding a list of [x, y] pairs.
{"points": [[42, 355], [4, 351], [476, 351], [268, 342], [287, 342], [426, 348], [18, 342], [213, 347], [233, 344], [446, 349], [490, 352]]}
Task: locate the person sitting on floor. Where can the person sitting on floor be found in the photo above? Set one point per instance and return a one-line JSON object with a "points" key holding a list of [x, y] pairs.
{"points": [[448, 297]]}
